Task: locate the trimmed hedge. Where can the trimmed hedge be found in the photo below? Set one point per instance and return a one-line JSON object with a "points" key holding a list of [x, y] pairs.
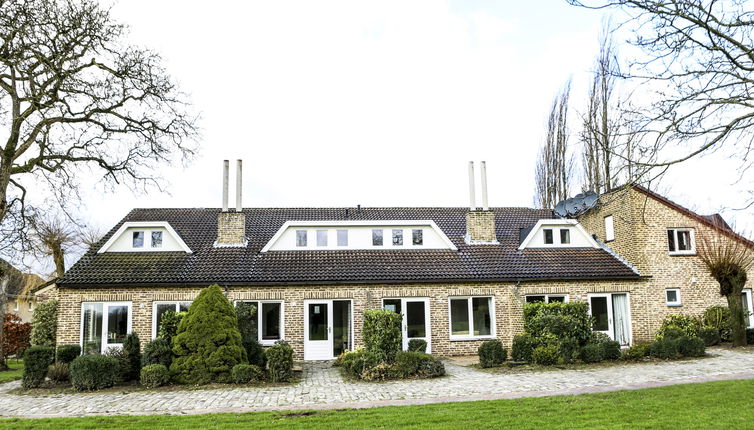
{"points": [[710, 336], [157, 351], [67, 353], [563, 320], [37, 360], [154, 375], [413, 363], [417, 345], [665, 348], [691, 346], [611, 350], [523, 345], [491, 353], [245, 373], [44, 323], [280, 362], [381, 332], [94, 372]]}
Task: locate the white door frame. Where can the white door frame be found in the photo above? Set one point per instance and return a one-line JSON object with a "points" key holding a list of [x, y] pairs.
{"points": [[404, 320], [311, 351], [611, 324], [105, 321]]}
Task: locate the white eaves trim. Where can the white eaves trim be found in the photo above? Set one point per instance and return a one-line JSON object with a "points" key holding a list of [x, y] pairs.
{"points": [[144, 224], [359, 223], [557, 222]]}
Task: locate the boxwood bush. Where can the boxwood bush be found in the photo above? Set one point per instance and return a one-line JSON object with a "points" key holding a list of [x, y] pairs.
{"points": [[665, 348], [592, 353], [611, 350], [413, 363], [418, 345], [710, 336], [157, 351], [280, 362], [67, 353], [563, 320], [154, 375], [491, 353], [37, 360], [382, 333], [637, 352], [691, 346], [94, 372], [355, 362], [546, 355], [245, 373], [523, 345]]}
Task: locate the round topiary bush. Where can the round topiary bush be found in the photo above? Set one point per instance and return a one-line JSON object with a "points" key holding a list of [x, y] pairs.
{"points": [[611, 350], [68, 353], [208, 343], [491, 353], [158, 351], [523, 345], [154, 375], [94, 372], [354, 362], [545, 355], [710, 336], [280, 362], [37, 360], [636, 352], [691, 346], [417, 345], [592, 353], [666, 348], [245, 373]]}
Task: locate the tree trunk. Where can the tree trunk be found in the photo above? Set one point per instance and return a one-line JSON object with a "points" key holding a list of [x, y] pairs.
{"points": [[737, 321], [3, 302], [58, 256]]}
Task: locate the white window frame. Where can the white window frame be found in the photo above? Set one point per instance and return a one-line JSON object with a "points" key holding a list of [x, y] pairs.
{"points": [[609, 228], [560, 236], [344, 232], [566, 297], [151, 239], [471, 336], [104, 346], [143, 239], [267, 342], [544, 235], [17, 306], [678, 301], [675, 231], [326, 234], [177, 304], [306, 238], [749, 306]]}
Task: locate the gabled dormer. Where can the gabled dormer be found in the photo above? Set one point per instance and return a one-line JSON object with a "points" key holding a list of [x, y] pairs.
{"points": [[558, 233], [145, 236]]}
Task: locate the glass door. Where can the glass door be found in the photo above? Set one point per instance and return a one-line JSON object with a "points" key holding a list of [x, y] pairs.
{"points": [[600, 307], [415, 319], [318, 339]]}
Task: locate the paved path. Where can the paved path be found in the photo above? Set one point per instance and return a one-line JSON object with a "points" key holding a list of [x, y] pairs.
{"points": [[322, 387]]}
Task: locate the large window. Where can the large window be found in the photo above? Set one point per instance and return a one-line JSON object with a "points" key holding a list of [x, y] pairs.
{"points": [[471, 317], [681, 241], [546, 298], [269, 321], [104, 325], [159, 309]]}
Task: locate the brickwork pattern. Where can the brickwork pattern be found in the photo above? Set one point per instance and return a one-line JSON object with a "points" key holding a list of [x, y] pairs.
{"points": [[231, 228], [480, 226]]}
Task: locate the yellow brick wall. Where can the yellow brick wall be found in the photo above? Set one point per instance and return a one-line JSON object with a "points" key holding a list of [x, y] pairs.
{"points": [[480, 226]]}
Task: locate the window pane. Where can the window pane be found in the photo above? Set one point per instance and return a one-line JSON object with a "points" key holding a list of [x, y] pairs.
{"points": [[160, 309], [300, 237], [415, 320], [117, 324], [184, 306], [671, 240], [609, 228], [342, 237], [535, 299], [417, 236], [459, 316], [548, 236], [252, 307], [480, 306], [321, 237], [684, 240], [560, 299], [318, 321], [270, 321], [392, 305], [377, 237], [156, 239], [746, 302], [565, 236], [138, 239], [92, 328], [671, 296], [397, 237], [599, 312]]}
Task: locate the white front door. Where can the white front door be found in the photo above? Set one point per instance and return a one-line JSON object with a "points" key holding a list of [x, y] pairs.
{"points": [[611, 316], [601, 308], [318, 339], [415, 319]]}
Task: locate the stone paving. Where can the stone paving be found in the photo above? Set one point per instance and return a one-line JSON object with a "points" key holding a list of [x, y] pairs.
{"points": [[322, 387]]}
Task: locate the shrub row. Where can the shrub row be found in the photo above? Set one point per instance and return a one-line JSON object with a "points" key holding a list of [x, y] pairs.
{"points": [[368, 366]]}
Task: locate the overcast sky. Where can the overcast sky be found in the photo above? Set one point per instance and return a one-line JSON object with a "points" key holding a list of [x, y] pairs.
{"points": [[378, 104]]}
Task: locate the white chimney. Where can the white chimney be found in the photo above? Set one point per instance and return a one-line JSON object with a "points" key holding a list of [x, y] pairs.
{"points": [[239, 206], [226, 167], [485, 205], [472, 198]]}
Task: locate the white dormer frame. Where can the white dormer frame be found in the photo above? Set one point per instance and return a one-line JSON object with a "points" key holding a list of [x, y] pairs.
{"points": [[144, 224], [558, 222], [359, 223]]}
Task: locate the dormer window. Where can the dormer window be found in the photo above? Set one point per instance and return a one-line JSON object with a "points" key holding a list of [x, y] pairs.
{"points": [[137, 240], [156, 239], [397, 237], [681, 241], [301, 237], [321, 237], [548, 236], [377, 237], [565, 236], [342, 237], [417, 236]]}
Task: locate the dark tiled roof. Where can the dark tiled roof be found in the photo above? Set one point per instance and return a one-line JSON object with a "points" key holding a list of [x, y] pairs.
{"points": [[207, 264]]}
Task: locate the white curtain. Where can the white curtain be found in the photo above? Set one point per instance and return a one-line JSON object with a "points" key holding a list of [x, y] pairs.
{"points": [[621, 321]]}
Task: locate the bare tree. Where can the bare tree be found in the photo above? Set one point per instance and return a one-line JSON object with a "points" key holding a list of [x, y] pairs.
{"points": [[54, 237], [697, 62], [74, 97], [728, 258], [9, 279], [90, 235], [554, 168]]}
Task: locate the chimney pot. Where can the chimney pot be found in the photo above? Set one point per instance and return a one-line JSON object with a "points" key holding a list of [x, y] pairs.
{"points": [[472, 197], [485, 205], [226, 167], [239, 180]]}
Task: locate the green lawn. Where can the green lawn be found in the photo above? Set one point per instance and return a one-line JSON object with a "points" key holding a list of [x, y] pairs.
{"points": [[15, 372], [710, 405]]}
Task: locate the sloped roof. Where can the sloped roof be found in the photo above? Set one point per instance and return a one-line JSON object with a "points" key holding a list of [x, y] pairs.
{"points": [[235, 266]]}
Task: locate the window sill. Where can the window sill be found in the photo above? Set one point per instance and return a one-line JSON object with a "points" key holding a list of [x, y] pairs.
{"points": [[268, 342], [467, 338], [682, 254], [674, 305]]}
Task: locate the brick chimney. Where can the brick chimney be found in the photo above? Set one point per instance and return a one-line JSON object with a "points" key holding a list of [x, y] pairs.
{"points": [[231, 223], [480, 222]]}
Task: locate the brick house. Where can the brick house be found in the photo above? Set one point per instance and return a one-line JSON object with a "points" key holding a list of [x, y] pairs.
{"points": [[457, 275]]}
